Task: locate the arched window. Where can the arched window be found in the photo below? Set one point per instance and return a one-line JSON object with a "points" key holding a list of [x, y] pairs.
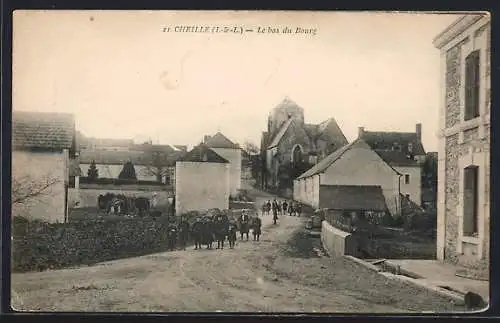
{"points": [[297, 154]]}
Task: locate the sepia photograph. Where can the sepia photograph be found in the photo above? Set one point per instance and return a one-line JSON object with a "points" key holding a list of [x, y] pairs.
{"points": [[250, 161]]}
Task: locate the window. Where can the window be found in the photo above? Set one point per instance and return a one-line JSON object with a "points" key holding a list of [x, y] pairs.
{"points": [[297, 154], [472, 86], [407, 179], [470, 200]]}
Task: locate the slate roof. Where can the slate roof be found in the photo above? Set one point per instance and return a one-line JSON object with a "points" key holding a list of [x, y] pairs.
{"points": [[203, 154], [380, 140], [353, 197], [42, 130], [397, 158], [220, 141]]}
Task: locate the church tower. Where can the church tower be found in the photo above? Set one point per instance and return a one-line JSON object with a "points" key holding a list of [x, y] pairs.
{"points": [[282, 113]]}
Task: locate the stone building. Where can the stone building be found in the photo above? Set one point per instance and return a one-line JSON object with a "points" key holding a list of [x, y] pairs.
{"points": [[463, 219], [289, 142], [404, 152], [230, 151]]}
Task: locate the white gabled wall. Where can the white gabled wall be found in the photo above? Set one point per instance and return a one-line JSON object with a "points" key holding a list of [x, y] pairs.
{"points": [[414, 188], [35, 168], [201, 186], [234, 158], [362, 166]]}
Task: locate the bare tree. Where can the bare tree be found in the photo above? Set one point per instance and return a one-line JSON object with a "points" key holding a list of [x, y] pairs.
{"points": [[159, 164], [251, 148], [26, 189]]}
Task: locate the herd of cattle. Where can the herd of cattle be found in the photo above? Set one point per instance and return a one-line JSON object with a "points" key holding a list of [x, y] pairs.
{"points": [[205, 230], [119, 204]]}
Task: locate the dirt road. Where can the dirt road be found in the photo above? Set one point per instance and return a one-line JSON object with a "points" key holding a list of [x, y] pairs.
{"points": [[281, 273]]}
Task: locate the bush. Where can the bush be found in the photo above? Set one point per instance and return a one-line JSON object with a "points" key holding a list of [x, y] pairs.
{"points": [[128, 171]]}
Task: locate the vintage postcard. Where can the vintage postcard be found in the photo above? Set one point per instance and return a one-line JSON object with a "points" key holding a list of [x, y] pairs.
{"points": [[250, 161]]}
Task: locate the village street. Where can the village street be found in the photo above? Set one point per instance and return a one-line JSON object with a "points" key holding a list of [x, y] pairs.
{"points": [[281, 273]]}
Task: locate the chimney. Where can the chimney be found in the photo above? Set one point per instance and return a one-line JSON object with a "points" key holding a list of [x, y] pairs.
{"points": [[361, 131], [418, 130]]}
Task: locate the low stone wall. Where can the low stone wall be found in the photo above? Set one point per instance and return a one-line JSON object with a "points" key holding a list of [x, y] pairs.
{"points": [[337, 242], [88, 197]]}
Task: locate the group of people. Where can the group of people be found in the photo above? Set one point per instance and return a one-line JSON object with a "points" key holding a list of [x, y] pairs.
{"points": [[209, 229], [292, 208]]}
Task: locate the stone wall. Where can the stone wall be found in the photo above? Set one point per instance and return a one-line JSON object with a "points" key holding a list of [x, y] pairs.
{"points": [[336, 242], [453, 58], [451, 195]]}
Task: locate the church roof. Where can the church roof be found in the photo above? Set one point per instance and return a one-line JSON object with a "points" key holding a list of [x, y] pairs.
{"points": [[281, 133], [203, 154], [220, 141]]}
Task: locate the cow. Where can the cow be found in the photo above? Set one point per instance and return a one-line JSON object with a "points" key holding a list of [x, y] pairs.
{"points": [[142, 205], [256, 228], [244, 226], [231, 235]]}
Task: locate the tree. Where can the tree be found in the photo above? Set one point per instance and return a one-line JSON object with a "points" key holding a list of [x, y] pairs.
{"points": [[251, 148], [159, 165], [25, 189], [128, 171], [93, 172]]}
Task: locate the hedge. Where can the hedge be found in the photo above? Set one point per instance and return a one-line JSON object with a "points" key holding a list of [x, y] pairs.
{"points": [[38, 246], [118, 181]]}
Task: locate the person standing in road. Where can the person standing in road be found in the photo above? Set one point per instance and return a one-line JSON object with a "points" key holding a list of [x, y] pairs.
{"points": [[285, 207]]}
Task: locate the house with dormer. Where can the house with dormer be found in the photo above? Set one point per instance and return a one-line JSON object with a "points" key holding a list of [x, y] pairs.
{"points": [[290, 146], [404, 152]]}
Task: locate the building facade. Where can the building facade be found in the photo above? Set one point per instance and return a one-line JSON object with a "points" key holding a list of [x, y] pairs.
{"points": [[463, 219], [231, 152], [354, 165], [43, 149], [202, 181], [405, 152], [290, 143]]}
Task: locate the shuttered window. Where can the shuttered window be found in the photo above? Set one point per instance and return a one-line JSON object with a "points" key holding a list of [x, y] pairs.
{"points": [[472, 78], [470, 201]]}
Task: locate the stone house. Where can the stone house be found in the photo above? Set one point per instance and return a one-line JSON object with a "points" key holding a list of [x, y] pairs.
{"points": [[463, 212], [202, 181], [289, 141], [404, 152], [43, 147], [351, 168], [231, 152]]}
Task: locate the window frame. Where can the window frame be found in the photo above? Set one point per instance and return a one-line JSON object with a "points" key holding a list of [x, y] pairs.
{"points": [[470, 227], [472, 80], [407, 179]]}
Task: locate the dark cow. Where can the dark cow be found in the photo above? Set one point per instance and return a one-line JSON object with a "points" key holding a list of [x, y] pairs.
{"points": [[256, 228], [221, 226], [142, 205], [231, 235], [244, 225]]}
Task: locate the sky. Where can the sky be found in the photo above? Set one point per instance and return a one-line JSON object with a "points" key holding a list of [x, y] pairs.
{"points": [[124, 76]]}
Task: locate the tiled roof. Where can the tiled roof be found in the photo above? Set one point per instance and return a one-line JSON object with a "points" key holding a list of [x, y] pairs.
{"points": [[379, 140], [280, 133], [203, 154], [397, 158], [352, 197], [220, 141], [45, 130]]}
